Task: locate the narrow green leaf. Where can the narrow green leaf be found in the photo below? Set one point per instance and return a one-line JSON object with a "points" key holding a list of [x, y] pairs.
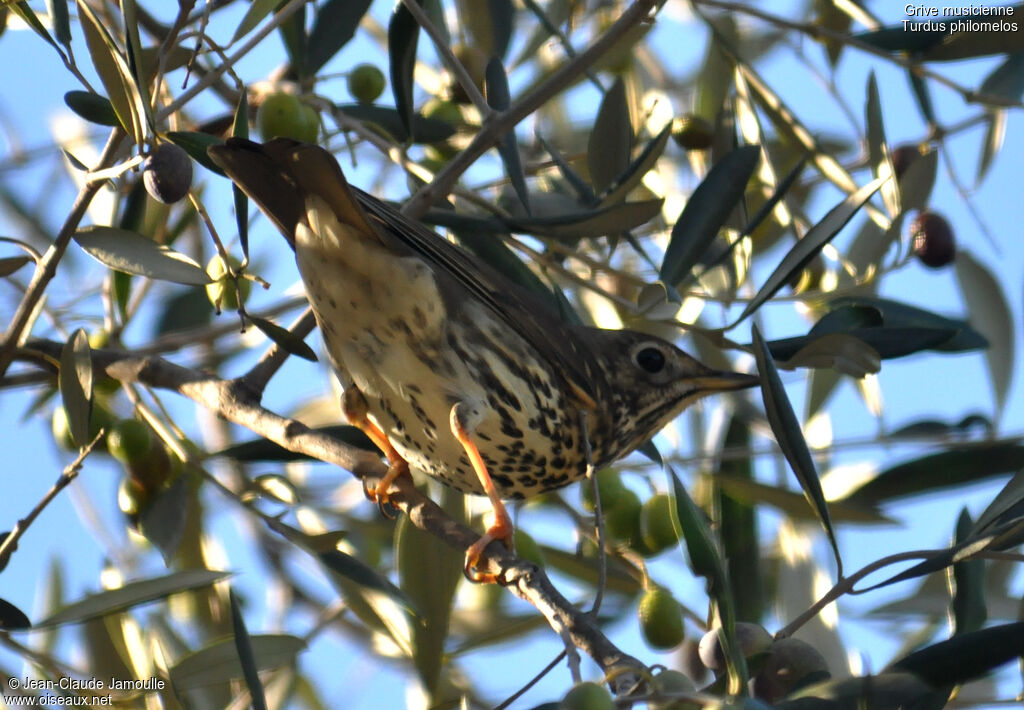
{"points": [[133, 74], [878, 148], [1005, 38], [499, 98], [284, 337], [841, 352], [706, 211], [781, 190], [182, 310], [817, 237], [265, 450], [106, 60], [240, 129], [794, 505], [218, 663], [990, 313], [22, 10], [293, 35], [10, 264], [829, 16], [333, 27], [502, 23], [196, 145], [258, 10], [490, 24], [956, 466], [705, 560], [424, 129], [429, 574], [75, 381], [738, 526], [995, 133], [636, 171], [131, 595], [246, 655], [889, 690], [693, 532], [164, 521], [553, 15], [75, 162], [917, 182], [901, 315], [132, 253], [619, 576], [1006, 80], [1005, 506], [599, 222], [791, 440], [965, 656], [493, 251], [580, 186], [610, 145], [885, 342], [923, 95], [61, 22], [715, 78], [12, 618], [821, 386], [151, 59], [968, 577], [366, 577], [92, 107], [403, 37], [897, 38]]}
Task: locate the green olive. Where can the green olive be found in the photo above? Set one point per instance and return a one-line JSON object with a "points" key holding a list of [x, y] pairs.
{"points": [[366, 83], [661, 619]]}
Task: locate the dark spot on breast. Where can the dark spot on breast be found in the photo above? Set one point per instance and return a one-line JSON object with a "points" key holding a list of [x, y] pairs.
{"points": [[508, 428], [502, 481]]}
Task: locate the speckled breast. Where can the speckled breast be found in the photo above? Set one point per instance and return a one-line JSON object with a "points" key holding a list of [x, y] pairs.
{"points": [[414, 353]]}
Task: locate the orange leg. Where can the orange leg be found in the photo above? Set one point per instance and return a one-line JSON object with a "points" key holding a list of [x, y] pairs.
{"points": [[501, 529], [354, 406]]}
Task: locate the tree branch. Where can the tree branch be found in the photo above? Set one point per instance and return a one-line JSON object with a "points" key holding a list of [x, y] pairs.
{"points": [[235, 401], [500, 123]]}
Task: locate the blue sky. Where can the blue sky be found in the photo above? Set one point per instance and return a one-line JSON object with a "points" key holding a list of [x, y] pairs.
{"points": [[925, 386]]}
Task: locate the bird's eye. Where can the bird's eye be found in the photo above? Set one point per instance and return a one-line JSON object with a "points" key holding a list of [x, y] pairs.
{"points": [[650, 359]]}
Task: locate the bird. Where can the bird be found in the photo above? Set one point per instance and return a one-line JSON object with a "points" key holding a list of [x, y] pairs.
{"points": [[446, 364]]}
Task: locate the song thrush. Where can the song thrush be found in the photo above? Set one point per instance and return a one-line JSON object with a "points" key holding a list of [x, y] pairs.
{"points": [[449, 366]]}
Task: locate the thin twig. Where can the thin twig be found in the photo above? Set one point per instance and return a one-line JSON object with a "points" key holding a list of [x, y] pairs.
{"points": [[500, 123], [10, 542], [217, 72], [448, 57], [816, 31], [46, 268], [532, 682]]}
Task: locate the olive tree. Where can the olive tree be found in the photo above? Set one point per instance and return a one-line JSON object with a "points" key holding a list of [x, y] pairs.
{"points": [[754, 185]]}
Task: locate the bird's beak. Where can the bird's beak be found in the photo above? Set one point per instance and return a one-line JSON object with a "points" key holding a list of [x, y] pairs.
{"points": [[723, 381]]}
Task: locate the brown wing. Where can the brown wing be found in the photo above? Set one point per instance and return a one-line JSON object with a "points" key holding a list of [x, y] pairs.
{"points": [[280, 173]]}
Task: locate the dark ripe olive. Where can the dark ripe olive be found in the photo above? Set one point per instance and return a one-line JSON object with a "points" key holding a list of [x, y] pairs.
{"points": [[934, 243], [167, 173]]}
